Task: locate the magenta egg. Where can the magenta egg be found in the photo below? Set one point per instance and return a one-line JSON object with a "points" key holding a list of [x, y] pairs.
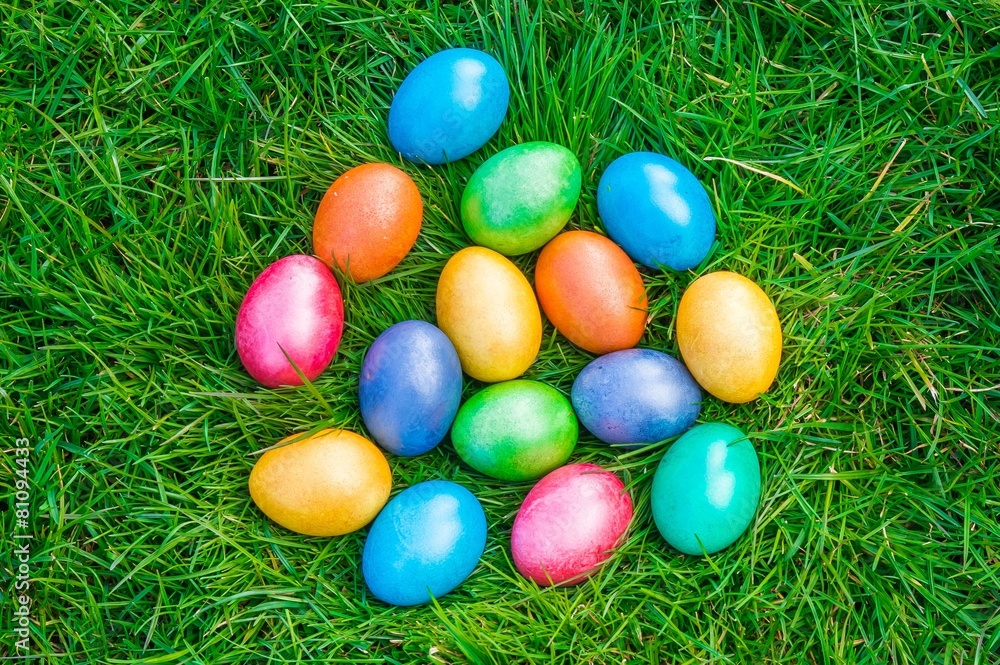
{"points": [[294, 307], [569, 524]]}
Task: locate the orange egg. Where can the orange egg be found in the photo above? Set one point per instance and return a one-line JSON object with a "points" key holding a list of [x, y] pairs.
{"points": [[367, 221], [591, 292], [730, 336]]}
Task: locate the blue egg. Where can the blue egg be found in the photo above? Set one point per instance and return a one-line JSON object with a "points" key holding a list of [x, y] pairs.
{"points": [[448, 106], [411, 387], [636, 396], [424, 543], [656, 210]]}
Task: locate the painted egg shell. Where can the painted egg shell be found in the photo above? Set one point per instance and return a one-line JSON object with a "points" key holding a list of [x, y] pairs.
{"points": [[656, 210], [591, 292], [425, 543], [706, 489], [448, 106], [328, 484], [516, 430], [729, 335], [295, 306], [487, 308], [569, 524], [521, 197], [636, 396], [367, 221], [411, 386]]}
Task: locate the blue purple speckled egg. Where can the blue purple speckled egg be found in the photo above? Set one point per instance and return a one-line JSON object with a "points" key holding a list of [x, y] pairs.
{"points": [[636, 396], [411, 387]]}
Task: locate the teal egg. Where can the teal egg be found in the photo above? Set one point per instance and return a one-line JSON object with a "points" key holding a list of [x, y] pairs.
{"points": [[706, 489], [516, 430], [520, 198]]}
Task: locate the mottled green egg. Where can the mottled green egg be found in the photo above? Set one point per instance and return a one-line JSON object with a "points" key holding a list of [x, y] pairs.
{"points": [[520, 198], [516, 430]]}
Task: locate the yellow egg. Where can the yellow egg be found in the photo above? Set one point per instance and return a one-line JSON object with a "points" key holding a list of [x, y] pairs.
{"points": [[729, 335], [328, 484], [486, 307]]}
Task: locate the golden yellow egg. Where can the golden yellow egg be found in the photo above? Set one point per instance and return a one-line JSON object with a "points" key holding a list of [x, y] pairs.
{"points": [[730, 336], [328, 484], [485, 305]]}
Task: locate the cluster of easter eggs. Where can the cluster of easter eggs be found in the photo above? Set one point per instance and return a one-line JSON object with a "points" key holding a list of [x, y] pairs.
{"points": [[429, 538]]}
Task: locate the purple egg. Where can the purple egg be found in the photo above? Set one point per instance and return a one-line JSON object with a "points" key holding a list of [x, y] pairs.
{"points": [[636, 396], [411, 386]]}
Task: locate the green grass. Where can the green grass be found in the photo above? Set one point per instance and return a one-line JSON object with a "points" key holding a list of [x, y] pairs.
{"points": [[153, 159]]}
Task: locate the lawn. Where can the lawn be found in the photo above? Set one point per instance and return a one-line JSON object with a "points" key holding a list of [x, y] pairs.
{"points": [[155, 158]]}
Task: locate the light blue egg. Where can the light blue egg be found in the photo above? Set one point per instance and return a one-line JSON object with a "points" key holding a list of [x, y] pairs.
{"points": [[656, 210], [706, 489], [448, 106], [425, 542]]}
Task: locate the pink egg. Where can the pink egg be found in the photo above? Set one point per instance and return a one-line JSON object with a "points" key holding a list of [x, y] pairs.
{"points": [[295, 305], [569, 524]]}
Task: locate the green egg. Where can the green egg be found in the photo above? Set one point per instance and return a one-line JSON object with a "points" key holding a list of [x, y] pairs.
{"points": [[516, 430], [520, 198]]}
